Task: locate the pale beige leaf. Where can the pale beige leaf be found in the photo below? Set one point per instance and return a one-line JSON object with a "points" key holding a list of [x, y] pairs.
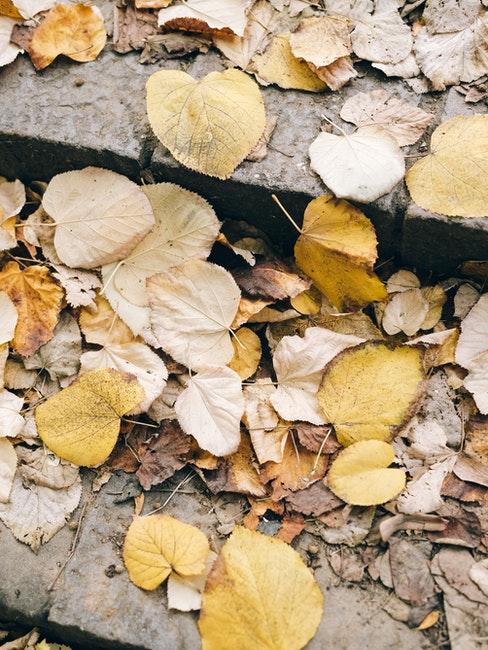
{"points": [[100, 216], [476, 381], [406, 69], [79, 285], [259, 415], [402, 280], [205, 15], [321, 40], [12, 195], [41, 467], [11, 422], [353, 9], [29, 8], [8, 465], [405, 312], [336, 74], [473, 340], [423, 494], [466, 297], [382, 37], [101, 325], [8, 51], [450, 15], [8, 318], [136, 318], [210, 409], [436, 297], [185, 592], [269, 445], [192, 309]]}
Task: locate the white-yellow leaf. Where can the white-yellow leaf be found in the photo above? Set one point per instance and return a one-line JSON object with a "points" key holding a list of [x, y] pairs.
{"points": [[11, 422], [405, 312], [8, 318], [473, 340], [8, 465], [8, 51]]}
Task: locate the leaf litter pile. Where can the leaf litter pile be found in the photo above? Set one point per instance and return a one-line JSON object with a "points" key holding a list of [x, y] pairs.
{"points": [[338, 396]]}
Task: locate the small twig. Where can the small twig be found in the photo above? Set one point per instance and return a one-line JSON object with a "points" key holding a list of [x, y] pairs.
{"points": [[187, 479], [286, 213]]}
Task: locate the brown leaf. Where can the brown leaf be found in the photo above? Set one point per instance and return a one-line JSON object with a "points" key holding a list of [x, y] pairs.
{"points": [[463, 527], [348, 565], [419, 521], [291, 527], [410, 572], [472, 470], [312, 436], [315, 500], [456, 488], [132, 27], [477, 439], [274, 280]]}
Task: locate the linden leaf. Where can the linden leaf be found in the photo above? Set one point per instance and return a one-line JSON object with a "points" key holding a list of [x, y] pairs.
{"points": [[8, 318], [157, 545], [186, 228], [321, 40], [451, 179], [136, 318], [207, 15], [81, 423], [247, 353], [37, 299], [192, 309], [360, 475], [8, 465], [337, 249], [361, 166], [369, 391], [185, 592], [100, 324], [274, 601], [208, 125], [299, 364], [8, 51], [210, 409], [382, 37], [77, 31], [402, 280], [100, 216]]}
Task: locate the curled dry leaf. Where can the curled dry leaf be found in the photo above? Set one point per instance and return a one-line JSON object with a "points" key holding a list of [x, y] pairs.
{"points": [[360, 475], [247, 353], [270, 280], [157, 545], [269, 444], [8, 465], [183, 113], [274, 601], [8, 318], [163, 455], [361, 166], [77, 31], [37, 299], [371, 390], [207, 15], [405, 312], [81, 423], [337, 249], [404, 122], [259, 414], [423, 493], [336, 74], [450, 180], [192, 309], [100, 216], [210, 409], [101, 325]]}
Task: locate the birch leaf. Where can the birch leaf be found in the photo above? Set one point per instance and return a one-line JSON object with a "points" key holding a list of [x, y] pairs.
{"points": [[321, 40], [405, 312], [299, 364], [192, 308], [401, 120], [247, 353], [207, 15], [362, 166], [274, 602], [209, 125], [157, 545], [360, 474], [186, 228], [369, 391], [8, 318], [100, 216], [451, 179], [210, 410], [8, 465], [337, 249], [81, 423]]}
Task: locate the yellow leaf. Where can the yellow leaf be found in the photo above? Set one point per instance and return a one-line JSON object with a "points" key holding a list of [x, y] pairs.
{"points": [[156, 545], [337, 249], [247, 353], [208, 125], [370, 390], [430, 620], [359, 474], [81, 423], [101, 324], [7, 8], [77, 31], [278, 66], [451, 180], [307, 302], [37, 298], [259, 594]]}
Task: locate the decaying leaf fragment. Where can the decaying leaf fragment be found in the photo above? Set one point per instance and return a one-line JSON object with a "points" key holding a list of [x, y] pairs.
{"points": [[274, 601], [77, 31], [81, 423], [370, 390], [337, 249], [208, 125], [360, 474]]}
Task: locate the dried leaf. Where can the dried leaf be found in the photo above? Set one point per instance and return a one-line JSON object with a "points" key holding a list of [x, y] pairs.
{"points": [[382, 37], [8, 50], [405, 312], [423, 494], [12, 195], [473, 340], [101, 325], [8, 318], [207, 15], [79, 285], [314, 500], [163, 455], [464, 300], [410, 573], [270, 280], [247, 352], [185, 592], [321, 40], [8, 465]]}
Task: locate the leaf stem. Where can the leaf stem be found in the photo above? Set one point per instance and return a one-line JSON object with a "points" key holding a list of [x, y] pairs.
{"points": [[286, 213]]}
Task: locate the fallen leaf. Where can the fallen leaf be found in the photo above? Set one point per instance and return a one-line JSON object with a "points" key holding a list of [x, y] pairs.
{"points": [[12, 195], [123, 216], [79, 285], [463, 526], [259, 414], [476, 444], [404, 122], [382, 37], [157, 545], [8, 318], [423, 494], [207, 15], [186, 228], [163, 406], [361, 166], [336, 74], [410, 571], [270, 280], [436, 298], [476, 382], [360, 474], [371, 390], [76, 31], [8, 465], [450, 16], [337, 249], [473, 340], [405, 312], [279, 66], [466, 297], [192, 309], [402, 280], [8, 50], [299, 365], [416, 521], [132, 28], [440, 346], [101, 325], [247, 309], [407, 68], [81, 423], [163, 455], [247, 353], [185, 592], [135, 359], [308, 302], [314, 500], [227, 105], [210, 409], [30, 8], [430, 620], [472, 470], [316, 437], [37, 299], [321, 40], [274, 601], [479, 574]]}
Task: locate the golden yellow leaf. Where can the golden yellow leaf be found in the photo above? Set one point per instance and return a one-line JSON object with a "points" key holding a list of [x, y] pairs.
{"points": [[337, 249], [278, 66], [360, 475], [7, 8], [451, 180], [209, 125], [81, 423], [156, 545], [101, 324], [259, 594], [248, 307], [430, 620], [77, 31], [247, 353], [370, 390], [308, 302], [37, 298]]}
